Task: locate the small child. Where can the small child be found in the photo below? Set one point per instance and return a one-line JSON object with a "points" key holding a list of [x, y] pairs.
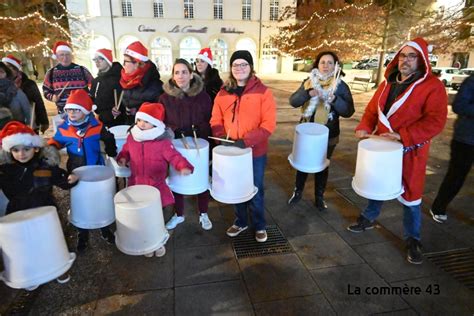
{"points": [[148, 150], [81, 134], [28, 169]]}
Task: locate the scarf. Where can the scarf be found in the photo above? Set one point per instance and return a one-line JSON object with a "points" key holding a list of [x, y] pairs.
{"points": [[326, 86], [130, 81], [141, 135], [81, 126]]}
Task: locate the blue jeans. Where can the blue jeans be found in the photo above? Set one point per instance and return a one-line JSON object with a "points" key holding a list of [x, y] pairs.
{"points": [[255, 205], [411, 217]]}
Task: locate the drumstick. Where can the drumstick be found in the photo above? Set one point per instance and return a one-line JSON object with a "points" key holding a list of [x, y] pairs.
{"points": [[183, 140], [221, 139], [64, 88], [120, 100], [228, 134], [195, 140], [115, 98]]}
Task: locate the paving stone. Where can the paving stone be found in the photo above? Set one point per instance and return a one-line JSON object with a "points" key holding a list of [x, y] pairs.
{"points": [[334, 283], [191, 234], [160, 302], [403, 312], [390, 262], [205, 264], [453, 297], [376, 235], [308, 305], [220, 298], [137, 273], [276, 277], [324, 250]]}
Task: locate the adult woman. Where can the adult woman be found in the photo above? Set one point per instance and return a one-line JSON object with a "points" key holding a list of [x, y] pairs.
{"points": [[188, 110], [210, 76], [12, 97], [140, 80], [245, 110], [323, 100]]}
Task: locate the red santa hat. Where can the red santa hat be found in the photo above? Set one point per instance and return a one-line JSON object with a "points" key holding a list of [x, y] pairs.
{"points": [[137, 51], [16, 133], [80, 100], [61, 46], [153, 113], [12, 60], [105, 54], [206, 55]]}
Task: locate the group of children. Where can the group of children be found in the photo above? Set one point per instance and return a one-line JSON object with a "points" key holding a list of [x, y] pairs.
{"points": [[29, 167]]}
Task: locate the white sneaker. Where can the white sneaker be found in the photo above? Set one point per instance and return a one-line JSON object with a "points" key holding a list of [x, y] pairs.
{"points": [[160, 252], [149, 255], [438, 218], [174, 221], [63, 278], [205, 221]]}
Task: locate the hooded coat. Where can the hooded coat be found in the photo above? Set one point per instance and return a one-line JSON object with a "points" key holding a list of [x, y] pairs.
{"points": [[417, 114], [212, 83], [30, 88], [185, 109], [29, 185], [102, 93], [148, 161], [13, 98]]}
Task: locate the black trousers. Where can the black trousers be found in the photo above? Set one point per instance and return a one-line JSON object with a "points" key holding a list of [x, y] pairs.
{"points": [[320, 178], [462, 157]]}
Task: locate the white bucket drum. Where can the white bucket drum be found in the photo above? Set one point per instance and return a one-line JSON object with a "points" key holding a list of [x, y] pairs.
{"points": [[121, 172], [3, 203], [378, 174], [232, 175], [198, 181], [34, 248], [92, 199], [310, 145], [140, 224], [120, 134]]}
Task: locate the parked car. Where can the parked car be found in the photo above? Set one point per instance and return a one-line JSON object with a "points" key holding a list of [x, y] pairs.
{"points": [[445, 74], [368, 63], [458, 79]]}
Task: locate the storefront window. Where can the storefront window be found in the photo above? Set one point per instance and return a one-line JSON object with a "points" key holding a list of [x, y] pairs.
{"points": [[189, 48], [162, 54], [219, 54]]}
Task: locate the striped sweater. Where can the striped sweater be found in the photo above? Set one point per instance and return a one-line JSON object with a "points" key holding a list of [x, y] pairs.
{"points": [[58, 77]]}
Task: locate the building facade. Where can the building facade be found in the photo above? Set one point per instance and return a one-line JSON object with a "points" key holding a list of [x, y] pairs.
{"points": [[173, 29]]}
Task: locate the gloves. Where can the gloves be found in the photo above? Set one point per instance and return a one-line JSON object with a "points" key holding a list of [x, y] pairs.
{"points": [[238, 143]]}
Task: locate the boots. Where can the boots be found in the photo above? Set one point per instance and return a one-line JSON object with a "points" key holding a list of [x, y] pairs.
{"points": [[82, 239], [296, 197], [320, 181]]}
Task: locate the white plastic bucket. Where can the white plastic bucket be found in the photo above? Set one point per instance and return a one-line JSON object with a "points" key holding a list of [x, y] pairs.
{"points": [[232, 175], [310, 145], [198, 181], [140, 224], [92, 199], [121, 172], [3, 203], [33, 246], [120, 134], [378, 174]]}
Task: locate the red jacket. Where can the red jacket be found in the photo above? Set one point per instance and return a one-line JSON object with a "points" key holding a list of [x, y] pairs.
{"points": [[148, 162], [418, 114], [251, 117]]}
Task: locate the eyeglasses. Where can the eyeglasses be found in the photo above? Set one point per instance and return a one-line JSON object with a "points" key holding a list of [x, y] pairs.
{"points": [[72, 110], [130, 61], [410, 57], [97, 59], [241, 66]]}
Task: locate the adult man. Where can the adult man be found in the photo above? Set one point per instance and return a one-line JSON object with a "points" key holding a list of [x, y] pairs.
{"points": [[30, 88], [65, 77], [410, 106], [103, 87], [462, 151]]}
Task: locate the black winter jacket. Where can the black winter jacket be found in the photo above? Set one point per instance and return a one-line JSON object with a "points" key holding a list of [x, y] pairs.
{"points": [[212, 83], [28, 185], [102, 93], [342, 105], [149, 91], [463, 106], [30, 88]]}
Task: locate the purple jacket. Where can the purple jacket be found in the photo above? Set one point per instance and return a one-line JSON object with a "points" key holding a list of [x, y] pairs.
{"points": [[149, 161], [183, 110]]}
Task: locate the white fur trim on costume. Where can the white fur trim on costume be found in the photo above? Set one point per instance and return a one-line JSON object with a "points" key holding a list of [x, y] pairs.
{"points": [[205, 58], [79, 107], [420, 50], [408, 203], [63, 48], [136, 55], [150, 119], [103, 57], [23, 139], [12, 62]]}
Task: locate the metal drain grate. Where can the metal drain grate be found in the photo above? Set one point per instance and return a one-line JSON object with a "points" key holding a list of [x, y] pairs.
{"points": [[459, 263], [245, 245]]}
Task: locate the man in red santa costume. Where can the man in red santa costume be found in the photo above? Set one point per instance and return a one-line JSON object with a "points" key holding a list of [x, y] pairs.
{"points": [[410, 106]]}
